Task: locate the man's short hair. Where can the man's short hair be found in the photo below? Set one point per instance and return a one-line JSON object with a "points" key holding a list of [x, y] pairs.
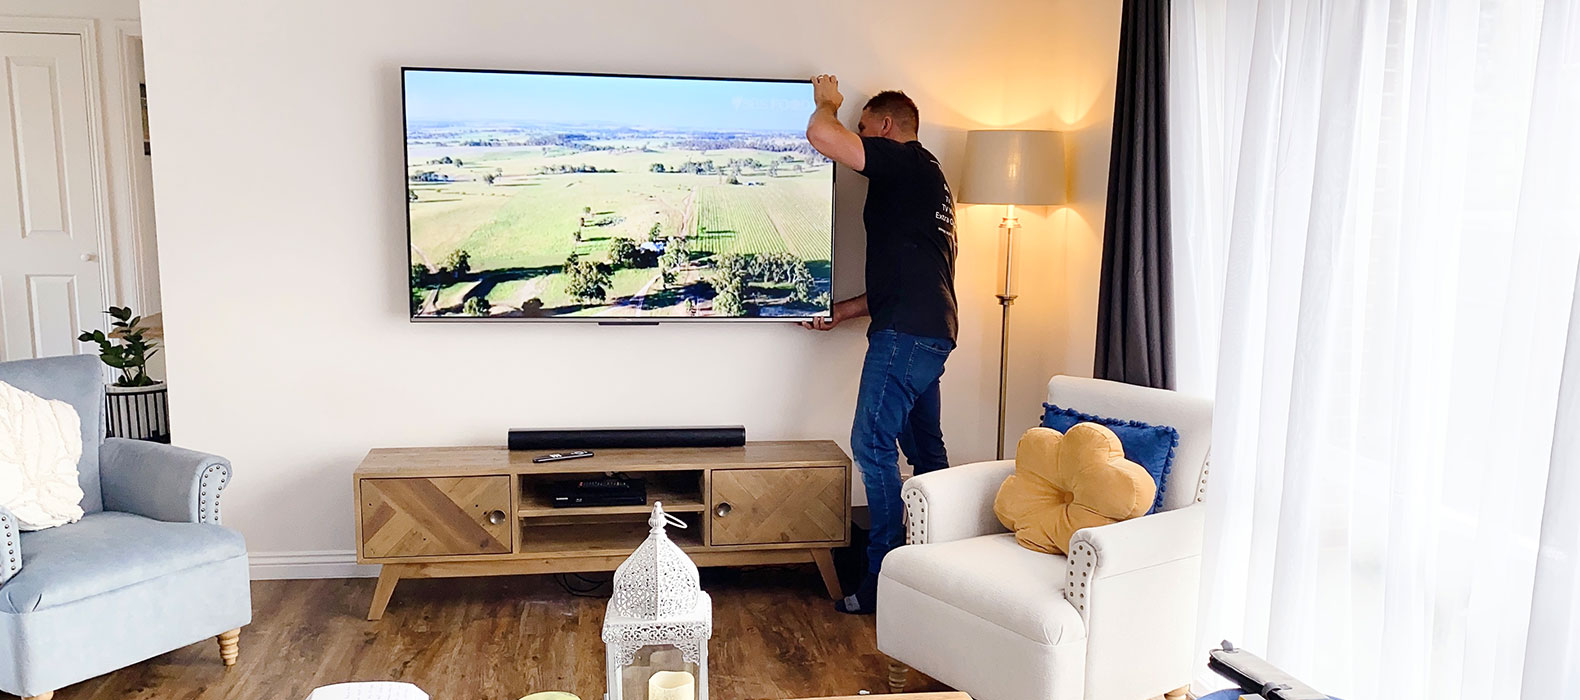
{"points": [[895, 105]]}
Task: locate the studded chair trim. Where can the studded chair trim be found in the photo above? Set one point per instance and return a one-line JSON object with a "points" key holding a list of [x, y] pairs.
{"points": [[212, 481], [1078, 573], [11, 541]]}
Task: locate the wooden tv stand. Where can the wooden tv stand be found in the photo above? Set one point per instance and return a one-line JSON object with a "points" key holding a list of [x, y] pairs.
{"points": [[441, 512]]}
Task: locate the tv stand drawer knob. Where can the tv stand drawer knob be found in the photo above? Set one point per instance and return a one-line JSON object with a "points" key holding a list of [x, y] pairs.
{"points": [[496, 517], [722, 510]]}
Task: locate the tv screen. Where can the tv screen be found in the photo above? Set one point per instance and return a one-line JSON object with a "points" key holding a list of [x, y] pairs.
{"points": [[603, 197]]}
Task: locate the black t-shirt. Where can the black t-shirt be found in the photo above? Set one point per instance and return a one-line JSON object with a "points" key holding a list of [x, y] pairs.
{"points": [[910, 219]]}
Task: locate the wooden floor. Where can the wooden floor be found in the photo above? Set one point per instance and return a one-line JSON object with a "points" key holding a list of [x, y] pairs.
{"points": [[775, 635]]}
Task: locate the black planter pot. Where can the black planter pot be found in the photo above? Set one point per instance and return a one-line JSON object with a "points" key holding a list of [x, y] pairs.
{"points": [[138, 412]]}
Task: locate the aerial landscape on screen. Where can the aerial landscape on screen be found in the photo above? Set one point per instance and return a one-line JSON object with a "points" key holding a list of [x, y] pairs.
{"points": [[546, 196]]}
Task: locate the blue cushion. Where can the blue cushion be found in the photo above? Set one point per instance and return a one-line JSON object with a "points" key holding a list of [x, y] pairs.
{"points": [[79, 381], [106, 551], [1151, 446]]}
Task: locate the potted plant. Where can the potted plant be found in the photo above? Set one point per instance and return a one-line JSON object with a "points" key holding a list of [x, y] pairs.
{"points": [[137, 405]]}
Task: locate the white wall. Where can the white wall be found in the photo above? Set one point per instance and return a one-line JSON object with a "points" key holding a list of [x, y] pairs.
{"points": [[281, 203]]}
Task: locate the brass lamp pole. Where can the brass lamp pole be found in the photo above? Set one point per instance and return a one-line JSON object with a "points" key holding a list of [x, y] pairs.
{"points": [[1006, 296], [1011, 167]]}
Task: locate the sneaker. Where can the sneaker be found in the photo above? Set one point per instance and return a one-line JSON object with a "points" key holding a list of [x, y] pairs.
{"points": [[865, 602]]}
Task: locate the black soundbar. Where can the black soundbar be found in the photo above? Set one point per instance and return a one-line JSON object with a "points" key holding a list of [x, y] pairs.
{"points": [[589, 438]]}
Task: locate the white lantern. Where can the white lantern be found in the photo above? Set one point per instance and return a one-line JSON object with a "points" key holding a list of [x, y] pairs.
{"points": [[658, 623]]}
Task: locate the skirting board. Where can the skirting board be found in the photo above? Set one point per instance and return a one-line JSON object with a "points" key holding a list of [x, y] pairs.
{"points": [[268, 566]]}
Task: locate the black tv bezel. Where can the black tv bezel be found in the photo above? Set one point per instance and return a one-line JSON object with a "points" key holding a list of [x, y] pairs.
{"points": [[833, 217]]}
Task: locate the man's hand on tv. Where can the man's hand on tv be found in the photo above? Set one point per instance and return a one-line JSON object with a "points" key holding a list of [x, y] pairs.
{"points": [[821, 323], [825, 91], [842, 311]]}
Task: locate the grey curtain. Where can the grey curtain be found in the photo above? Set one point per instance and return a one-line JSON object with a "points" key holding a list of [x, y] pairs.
{"points": [[1135, 314]]}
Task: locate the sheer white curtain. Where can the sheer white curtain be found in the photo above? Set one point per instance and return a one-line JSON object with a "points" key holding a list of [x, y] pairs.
{"points": [[1377, 224]]}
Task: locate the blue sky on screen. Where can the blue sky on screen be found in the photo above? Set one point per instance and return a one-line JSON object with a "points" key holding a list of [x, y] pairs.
{"points": [[669, 103]]}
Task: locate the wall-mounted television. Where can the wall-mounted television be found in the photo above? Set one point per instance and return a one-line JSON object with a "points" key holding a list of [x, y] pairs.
{"points": [[533, 196]]}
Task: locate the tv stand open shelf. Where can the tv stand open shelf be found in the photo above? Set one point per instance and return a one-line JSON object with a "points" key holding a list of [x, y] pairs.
{"points": [[673, 503], [484, 511]]}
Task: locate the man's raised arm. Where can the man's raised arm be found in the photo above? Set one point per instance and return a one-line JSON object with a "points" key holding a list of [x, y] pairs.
{"points": [[826, 133]]}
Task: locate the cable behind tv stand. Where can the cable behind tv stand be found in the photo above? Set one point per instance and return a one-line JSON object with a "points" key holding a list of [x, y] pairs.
{"points": [[444, 512]]}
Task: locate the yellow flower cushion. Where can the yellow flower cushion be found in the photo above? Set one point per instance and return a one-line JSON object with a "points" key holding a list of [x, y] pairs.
{"points": [[1065, 482]]}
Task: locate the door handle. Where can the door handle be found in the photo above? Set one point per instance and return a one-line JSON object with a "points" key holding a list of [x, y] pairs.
{"points": [[89, 257], [496, 517], [723, 510]]}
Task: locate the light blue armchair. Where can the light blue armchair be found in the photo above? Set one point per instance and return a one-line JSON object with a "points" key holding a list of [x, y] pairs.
{"points": [[147, 570]]}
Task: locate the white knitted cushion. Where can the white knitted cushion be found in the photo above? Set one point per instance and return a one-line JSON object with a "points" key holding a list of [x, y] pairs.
{"points": [[40, 444]]}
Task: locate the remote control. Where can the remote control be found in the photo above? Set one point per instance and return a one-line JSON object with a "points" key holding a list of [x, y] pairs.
{"points": [[562, 456]]}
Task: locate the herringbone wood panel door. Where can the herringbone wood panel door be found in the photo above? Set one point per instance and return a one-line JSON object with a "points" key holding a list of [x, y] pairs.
{"points": [[437, 516], [764, 506]]}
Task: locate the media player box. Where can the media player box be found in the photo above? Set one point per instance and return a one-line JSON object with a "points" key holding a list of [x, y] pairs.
{"points": [[573, 493], [592, 438]]}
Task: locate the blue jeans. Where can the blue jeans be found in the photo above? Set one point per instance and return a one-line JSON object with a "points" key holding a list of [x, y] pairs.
{"points": [[896, 405]]}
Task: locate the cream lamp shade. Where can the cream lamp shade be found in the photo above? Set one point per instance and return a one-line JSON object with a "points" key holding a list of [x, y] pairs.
{"points": [[1016, 167]]}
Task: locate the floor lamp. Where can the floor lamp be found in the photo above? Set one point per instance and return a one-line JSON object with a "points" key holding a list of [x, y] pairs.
{"points": [[1013, 168]]}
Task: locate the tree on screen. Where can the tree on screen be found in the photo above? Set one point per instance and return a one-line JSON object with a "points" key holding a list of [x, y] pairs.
{"points": [[624, 253], [587, 281], [419, 286], [475, 306], [801, 282], [729, 282], [673, 259], [732, 266], [458, 264], [727, 302]]}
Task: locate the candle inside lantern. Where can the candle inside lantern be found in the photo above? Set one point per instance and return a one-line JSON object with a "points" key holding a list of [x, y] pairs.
{"points": [[672, 685]]}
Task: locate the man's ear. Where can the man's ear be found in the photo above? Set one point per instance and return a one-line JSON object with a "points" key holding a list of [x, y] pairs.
{"points": [[888, 125]]}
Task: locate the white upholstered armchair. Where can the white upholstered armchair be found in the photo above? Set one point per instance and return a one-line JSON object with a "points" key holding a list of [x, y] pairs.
{"points": [[1115, 620]]}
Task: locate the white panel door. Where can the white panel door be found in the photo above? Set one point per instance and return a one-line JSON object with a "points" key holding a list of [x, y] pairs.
{"points": [[50, 277]]}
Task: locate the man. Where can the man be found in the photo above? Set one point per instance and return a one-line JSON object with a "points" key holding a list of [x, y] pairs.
{"points": [[910, 296]]}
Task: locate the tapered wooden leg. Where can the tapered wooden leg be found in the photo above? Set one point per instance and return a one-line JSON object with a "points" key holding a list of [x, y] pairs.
{"points": [[389, 575], [1177, 693], [897, 675], [825, 566], [229, 646], [45, 696]]}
